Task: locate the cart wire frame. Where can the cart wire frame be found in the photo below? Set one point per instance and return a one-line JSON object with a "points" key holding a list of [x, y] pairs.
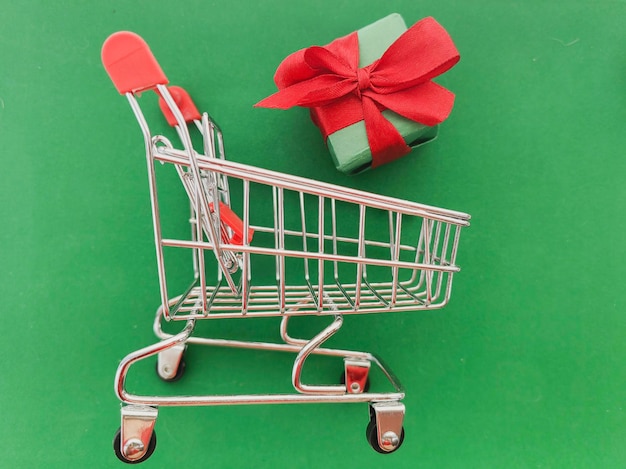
{"points": [[432, 264], [322, 265]]}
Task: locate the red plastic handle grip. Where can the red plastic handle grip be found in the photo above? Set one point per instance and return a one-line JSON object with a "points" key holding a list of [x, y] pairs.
{"points": [[185, 104], [230, 219], [130, 63]]}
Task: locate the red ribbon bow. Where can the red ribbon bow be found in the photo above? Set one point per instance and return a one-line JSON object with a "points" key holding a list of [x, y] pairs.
{"points": [[329, 81]]}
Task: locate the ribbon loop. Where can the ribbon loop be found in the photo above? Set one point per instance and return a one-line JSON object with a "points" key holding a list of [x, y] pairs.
{"points": [[363, 79]]}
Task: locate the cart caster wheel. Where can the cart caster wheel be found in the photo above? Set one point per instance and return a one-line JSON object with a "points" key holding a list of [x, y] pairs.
{"points": [[171, 363], [168, 377], [393, 441], [117, 447], [366, 387], [356, 375], [385, 431]]}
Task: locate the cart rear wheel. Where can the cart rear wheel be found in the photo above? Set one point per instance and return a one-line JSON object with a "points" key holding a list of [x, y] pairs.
{"points": [[372, 438], [366, 388], [180, 371], [117, 447]]}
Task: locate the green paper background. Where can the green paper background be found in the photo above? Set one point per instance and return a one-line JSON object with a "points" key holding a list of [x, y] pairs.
{"points": [[524, 369]]}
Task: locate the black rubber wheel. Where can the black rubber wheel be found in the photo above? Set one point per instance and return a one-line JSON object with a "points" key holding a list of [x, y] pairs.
{"points": [[342, 380], [179, 372], [117, 442], [372, 438]]}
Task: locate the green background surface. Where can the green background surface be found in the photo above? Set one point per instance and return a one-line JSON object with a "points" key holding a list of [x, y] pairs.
{"points": [[524, 368]]}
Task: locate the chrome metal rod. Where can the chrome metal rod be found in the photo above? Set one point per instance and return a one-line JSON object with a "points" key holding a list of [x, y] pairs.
{"points": [[122, 369], [295, 183], [304, 353], [243, 399], [311, 255]]}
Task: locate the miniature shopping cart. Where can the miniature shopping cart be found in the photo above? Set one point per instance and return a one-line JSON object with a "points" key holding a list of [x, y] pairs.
{"points": [[334, 251]]}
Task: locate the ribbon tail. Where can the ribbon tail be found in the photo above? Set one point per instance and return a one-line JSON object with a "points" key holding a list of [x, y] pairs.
{"points": [[384, 140], [317, 91]]}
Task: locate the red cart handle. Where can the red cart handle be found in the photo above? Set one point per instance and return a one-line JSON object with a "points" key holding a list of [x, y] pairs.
{"points": [[130, 63], [230, 219], [185, 104]]}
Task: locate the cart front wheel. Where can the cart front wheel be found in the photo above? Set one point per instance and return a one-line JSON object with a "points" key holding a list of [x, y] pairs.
{"points": [[393, 441], [117, 447]]}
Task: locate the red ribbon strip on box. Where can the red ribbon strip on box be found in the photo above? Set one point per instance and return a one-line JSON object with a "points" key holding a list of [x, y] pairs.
{"points": [[329, 81]]}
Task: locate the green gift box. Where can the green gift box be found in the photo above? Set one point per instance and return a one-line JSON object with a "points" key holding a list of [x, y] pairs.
{"points": [[349, 147], [371, 92]]}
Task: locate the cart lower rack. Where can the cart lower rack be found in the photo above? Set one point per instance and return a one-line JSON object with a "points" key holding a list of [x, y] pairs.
{"points": [[321, 242]]}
